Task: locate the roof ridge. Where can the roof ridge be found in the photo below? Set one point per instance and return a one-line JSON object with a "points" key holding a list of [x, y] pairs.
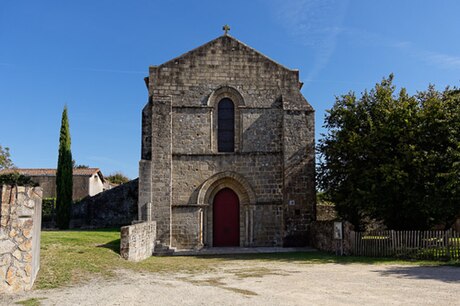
{"points": [[50, 170]]}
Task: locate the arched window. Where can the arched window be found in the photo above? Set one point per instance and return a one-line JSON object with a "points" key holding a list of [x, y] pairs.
{"points": [[226, 126]]}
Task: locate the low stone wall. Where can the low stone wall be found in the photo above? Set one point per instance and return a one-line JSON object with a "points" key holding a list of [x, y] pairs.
{"points": [[322, 237], [20, 225], [138, 240], [112, 208]]}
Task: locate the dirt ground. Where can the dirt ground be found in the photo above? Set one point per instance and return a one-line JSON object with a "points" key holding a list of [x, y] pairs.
{"points": [[259, 283]]}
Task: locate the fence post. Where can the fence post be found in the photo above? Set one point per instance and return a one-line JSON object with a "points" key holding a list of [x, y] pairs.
{"points": [[447, 238], [393, 249]]}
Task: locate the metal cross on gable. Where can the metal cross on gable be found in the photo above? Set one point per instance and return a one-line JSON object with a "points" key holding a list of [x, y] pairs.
{"points": [[226, 28]]}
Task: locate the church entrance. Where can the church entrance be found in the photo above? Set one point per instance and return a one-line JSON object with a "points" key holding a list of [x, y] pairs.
{"points": [[226, 219]]}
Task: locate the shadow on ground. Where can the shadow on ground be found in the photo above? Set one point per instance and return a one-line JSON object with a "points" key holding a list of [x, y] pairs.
{"points": [[316, 257], [113, 245], [444, 274]]}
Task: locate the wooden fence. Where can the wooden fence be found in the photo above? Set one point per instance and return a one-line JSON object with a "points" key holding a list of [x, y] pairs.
{"points": [[437, 245]]}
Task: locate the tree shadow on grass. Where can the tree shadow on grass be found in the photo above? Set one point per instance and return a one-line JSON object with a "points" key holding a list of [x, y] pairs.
{"points": [[442, 273], [113, 245]]}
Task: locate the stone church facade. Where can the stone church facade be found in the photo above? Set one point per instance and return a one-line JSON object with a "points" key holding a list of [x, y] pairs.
{"points": [[227, 150]]}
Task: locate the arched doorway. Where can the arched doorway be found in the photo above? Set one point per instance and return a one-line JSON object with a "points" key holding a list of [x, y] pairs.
{"points": [[226, 219]]}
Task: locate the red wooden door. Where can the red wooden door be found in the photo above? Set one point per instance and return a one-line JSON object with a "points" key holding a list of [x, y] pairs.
{"points": [[226, 219]]}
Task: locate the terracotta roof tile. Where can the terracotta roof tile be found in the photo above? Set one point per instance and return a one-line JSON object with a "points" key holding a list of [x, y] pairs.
{"points": [[50, 172]]}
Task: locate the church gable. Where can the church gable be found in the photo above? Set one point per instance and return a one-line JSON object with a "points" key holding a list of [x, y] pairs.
{"points": [[225, 45], [192, 77]]}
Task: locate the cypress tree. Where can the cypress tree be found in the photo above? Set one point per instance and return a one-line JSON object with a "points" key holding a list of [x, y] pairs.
{"points": [[64, 179]]}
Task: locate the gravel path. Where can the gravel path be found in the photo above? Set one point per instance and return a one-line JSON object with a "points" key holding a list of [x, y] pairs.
{"points": [[257, 283]]}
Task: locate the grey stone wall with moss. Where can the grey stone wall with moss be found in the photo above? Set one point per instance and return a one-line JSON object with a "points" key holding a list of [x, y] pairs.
{"points": [[272, 169], [20, 224]]}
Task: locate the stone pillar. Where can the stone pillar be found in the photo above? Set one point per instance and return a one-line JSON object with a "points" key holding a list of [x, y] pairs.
{"points": [[161, 175], [20, 227], [299, 196], [145, 188], [145, 165]]}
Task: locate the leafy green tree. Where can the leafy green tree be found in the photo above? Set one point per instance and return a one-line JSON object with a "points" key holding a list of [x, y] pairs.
{"points": [[81, 166], [392, 157], [5, 158], [117, 178], [64, 179], [16, 179]]}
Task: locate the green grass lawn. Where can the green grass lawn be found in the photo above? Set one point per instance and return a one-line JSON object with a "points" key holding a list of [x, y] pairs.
{"points": [[68, 257]]}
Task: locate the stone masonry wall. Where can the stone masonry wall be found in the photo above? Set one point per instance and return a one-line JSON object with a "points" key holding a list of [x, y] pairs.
{"points": [[186, 232], [20, 224], [299, 175], [138, 240], [321, 236], [192, 77], [263, 172], [111, 208]]}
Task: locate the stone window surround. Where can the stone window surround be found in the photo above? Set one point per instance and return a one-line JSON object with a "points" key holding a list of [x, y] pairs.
{"points": [[226, 91]]}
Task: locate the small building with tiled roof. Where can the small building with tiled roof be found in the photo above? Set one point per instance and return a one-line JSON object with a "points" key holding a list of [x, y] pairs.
{"points": [[86, 181]]}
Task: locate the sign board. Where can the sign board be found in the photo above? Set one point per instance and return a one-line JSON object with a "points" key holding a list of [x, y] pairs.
{"points": [[338, 230]]}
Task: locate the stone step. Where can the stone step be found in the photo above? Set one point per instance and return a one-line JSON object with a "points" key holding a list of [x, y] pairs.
{"points": [[162, 250]]}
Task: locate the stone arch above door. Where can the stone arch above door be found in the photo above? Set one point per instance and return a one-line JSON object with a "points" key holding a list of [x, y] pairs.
{"points": [[226, 179]]}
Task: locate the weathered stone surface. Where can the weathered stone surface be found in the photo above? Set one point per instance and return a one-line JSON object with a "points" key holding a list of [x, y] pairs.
{"points": [[11, 275], [19, 237], [7, 246], [27, 233], [138, 241], [27, 257], [26, 245], [24, 211], [17, 254], [26, 223], [321, 236], [111, 208], [272, 167], [19, 240], [28, 269], [13, 233], [5, 259]]}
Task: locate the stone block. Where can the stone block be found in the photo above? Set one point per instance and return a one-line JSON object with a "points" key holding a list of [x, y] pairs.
{"points": [[7, 246], [24, 211], [11, 275], [17, 254], [5, 259], [138, 241]]}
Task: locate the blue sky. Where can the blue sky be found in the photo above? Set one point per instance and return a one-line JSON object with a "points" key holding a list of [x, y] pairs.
{"points": [[93, 56]]}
